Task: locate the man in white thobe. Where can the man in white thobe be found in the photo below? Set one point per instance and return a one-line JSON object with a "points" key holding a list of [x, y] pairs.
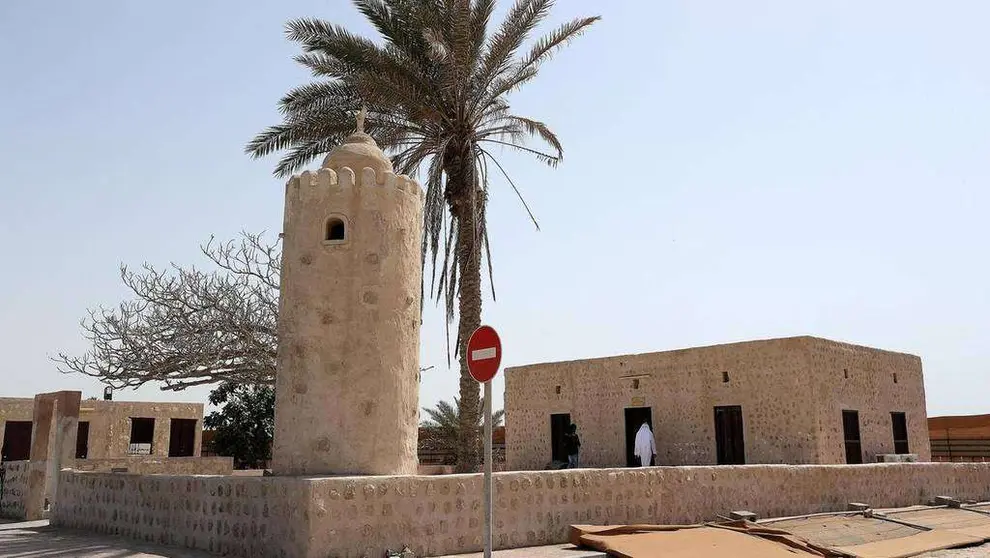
{"points": [[645, 448]]}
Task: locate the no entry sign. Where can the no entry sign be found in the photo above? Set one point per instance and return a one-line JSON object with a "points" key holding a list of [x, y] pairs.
{"points": [[484, 353]]}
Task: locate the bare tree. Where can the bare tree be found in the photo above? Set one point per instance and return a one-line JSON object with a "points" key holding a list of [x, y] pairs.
{"points": [[187, 327]]}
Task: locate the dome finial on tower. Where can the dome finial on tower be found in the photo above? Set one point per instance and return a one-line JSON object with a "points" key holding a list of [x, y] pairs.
{"points": [[361, 115], [358, 151]]}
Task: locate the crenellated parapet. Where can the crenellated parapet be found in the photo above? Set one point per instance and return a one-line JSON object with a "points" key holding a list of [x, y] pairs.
{"points": [[310, 184]]}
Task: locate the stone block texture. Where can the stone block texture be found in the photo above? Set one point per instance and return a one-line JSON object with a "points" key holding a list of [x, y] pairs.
{"points": [[144, 465], [15, 409], [55, 419], [792, 392], [110, 425], [53, 439], [110, 422], [14, 489], [353, 517], [349, 318]]}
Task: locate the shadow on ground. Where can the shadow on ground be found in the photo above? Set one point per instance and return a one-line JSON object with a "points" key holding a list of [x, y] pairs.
{"points": [[35, 539]]}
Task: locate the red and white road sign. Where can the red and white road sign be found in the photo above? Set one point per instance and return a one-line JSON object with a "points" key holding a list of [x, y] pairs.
{"points": [[484, 353]]}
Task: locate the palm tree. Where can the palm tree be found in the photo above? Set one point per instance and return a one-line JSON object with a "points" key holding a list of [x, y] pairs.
{"points": [[435, 88], [444, 424]]}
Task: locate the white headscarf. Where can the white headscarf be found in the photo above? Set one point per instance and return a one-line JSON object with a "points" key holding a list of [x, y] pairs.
{"points": [[644, 448]]}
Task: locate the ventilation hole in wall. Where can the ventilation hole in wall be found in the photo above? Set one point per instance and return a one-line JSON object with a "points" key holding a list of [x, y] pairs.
{"points": [[895, 377], [725, 377], [636, 384], [845, 371], [336, 229], [557, 389]]}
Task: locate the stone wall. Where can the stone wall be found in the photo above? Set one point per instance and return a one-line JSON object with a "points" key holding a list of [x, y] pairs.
{"points": [[354, 517], [235, 516], [874, 383], [792, 392], [110, 425], [15, 409], [160, 465], [15, 484]]}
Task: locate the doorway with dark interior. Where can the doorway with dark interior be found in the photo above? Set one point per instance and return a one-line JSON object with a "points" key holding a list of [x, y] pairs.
{"points": [[899, 422], [850, 434], [730, 445], [82, 440], [16, 441], [559, 423], [182, 438], [635, 417]]}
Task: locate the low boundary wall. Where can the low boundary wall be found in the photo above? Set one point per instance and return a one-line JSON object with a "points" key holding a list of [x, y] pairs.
{"points": [[159, 465], [14, 492], [289, 517]]}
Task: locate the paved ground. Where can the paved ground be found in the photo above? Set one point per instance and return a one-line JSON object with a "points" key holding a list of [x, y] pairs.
{"points": [[35, 539]]}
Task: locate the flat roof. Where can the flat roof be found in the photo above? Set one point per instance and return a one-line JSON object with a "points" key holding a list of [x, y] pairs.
{"points": [[796, 338]]}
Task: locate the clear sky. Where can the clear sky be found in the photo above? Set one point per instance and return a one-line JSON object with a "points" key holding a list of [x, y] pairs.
{"points": [[733, 170]]}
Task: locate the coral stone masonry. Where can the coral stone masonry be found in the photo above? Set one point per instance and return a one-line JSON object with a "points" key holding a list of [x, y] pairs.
{"points": [[789, 401], [357, 517], [347, 397]]}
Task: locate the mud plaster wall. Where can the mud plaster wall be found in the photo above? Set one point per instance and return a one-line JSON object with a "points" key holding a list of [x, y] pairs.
{"points": [[776, 382], [15, 484], [354, 517], [871, 390], [144, 465], [110, 425], [349, 320]]}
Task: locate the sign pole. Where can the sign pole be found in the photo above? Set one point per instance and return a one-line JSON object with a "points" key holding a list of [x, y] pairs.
{"points": [[488, 469], [484, 355]]}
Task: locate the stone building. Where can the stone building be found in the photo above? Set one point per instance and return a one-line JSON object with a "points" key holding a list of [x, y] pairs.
{"points": [[800, 400], [347, 386], [110, 429]]}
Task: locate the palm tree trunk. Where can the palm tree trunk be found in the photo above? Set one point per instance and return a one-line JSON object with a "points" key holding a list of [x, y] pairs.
{"points": [[466, 213]]}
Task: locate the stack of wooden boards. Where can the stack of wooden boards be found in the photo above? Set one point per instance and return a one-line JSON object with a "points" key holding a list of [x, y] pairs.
{"points": [[869, 534]]}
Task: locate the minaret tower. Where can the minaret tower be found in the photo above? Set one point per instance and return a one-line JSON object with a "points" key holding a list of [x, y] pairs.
{"points": [[347, 387]]}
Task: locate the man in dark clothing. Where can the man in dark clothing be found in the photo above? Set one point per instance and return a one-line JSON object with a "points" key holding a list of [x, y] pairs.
{"points": [[572, 444]]}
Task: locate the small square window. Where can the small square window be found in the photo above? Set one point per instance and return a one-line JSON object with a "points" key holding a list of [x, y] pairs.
{"points": [[557, 390], [636, 383], [845, 371], [336, 229], [725, 377]]}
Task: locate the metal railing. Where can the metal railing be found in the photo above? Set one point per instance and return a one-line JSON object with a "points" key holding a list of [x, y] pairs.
{"points": [[960, 449]]}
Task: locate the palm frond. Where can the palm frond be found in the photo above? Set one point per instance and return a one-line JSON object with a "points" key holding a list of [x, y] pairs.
{"points": [[436, 85], [522, 18], [514, 189], [548, 44]]}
